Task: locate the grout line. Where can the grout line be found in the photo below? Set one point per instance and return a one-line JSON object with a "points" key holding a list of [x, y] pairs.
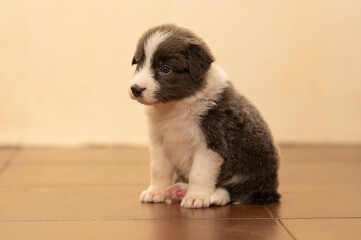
{"points": [[120, 185], [319, 218], [287, 230], [279, 221], [270, 212], [282, 144], [9, 160], [80, 163], [74, 146], [131, 219], [149, 219]]}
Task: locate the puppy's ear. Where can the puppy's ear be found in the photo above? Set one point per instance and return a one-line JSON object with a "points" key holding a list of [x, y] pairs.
{"points": [[200, 59]]}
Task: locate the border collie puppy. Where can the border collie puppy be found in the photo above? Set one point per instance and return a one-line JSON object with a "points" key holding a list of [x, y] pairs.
{"points": [[209, 145]]}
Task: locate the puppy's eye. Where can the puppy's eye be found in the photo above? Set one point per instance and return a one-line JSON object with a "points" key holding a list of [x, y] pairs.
{"points": [[165, 69]]}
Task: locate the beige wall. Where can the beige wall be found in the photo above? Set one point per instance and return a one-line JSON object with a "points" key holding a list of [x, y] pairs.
{"points": [[65, 66]]}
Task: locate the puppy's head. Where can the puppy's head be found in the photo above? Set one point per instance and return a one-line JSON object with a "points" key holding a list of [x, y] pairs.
{"points": [[171, 63]]}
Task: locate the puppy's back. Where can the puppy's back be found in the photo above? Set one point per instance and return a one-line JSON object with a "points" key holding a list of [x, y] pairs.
{"points": [[236, 131]]}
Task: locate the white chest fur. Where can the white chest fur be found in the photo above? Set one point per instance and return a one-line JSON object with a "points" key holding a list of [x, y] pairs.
{"points": [[176, 127]]}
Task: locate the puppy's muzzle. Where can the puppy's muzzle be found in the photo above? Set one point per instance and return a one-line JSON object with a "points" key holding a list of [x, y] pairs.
{"points": [[136, 90]]}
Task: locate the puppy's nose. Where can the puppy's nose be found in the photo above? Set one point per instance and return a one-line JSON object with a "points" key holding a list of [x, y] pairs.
{"points": [[136, 90]]}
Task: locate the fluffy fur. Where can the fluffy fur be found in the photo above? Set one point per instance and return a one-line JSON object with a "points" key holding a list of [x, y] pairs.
{"points": [[202, 132]]}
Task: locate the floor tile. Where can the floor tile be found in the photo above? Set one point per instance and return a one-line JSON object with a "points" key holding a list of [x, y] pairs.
{"points": [[309, 229], [314, 201], [94, 156], [75, 175], [102, 203], [93, 194], [157, 230]]}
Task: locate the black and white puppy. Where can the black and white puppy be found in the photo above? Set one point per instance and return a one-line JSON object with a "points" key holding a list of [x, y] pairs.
{"points": [[203, 134]]}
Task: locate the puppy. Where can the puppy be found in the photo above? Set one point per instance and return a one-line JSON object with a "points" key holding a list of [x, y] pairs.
{"points": [[203, 134]]}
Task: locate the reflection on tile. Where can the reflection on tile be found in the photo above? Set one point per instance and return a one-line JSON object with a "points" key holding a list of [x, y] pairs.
{"points": [[329, 229], [102, 203], [89, 156], [69, 175], [313, 201], [157, 230]]}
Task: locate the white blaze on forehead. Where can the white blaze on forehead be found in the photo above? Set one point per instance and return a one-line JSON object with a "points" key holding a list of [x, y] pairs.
{"points": [[152, 44], [144, 77]]}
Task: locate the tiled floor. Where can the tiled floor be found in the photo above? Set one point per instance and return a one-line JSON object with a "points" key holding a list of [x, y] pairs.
{"points": [[93, 194]]}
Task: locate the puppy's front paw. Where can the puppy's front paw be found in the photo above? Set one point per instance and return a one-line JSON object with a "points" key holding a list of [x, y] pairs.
{"points": [[195, 201], [220, 197], [153, 195]]}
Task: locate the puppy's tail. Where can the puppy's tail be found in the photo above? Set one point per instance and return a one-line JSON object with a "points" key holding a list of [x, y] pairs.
{"points": [[258, 198], [261, 198]]}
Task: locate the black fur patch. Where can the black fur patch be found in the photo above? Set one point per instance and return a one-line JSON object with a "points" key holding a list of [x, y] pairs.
{"points": [[236, 131]]}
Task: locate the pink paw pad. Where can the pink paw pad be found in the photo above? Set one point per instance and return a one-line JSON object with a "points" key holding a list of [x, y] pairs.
{"points": [[176, 193]]}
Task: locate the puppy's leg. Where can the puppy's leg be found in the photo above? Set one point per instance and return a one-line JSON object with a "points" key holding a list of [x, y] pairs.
{"points": [[161, 176], [202, 178]]}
